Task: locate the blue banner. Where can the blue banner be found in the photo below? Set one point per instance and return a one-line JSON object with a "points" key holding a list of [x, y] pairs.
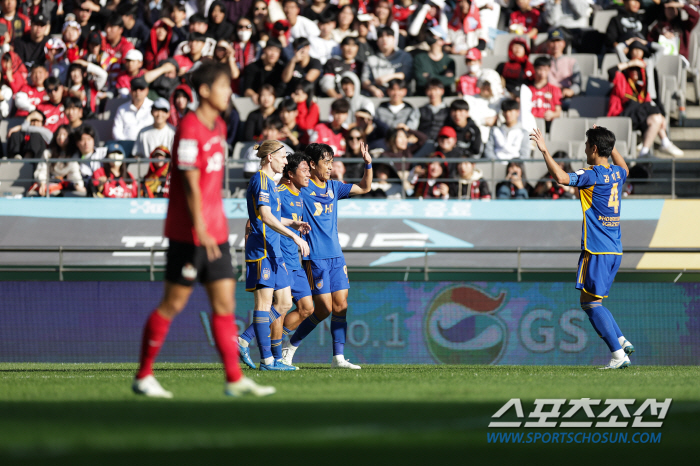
{"points": [[388, 322], [505, 210]]}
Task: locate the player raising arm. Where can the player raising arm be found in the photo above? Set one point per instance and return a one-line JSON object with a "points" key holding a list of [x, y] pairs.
{"points": [[294, 179], [601, 245], [198, 233], [325, 268], [266, 272]]}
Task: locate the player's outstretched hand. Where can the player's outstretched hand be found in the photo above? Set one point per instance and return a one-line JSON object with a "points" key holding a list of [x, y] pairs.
{"points": [[364, 148], [301, 227], [538, 137], [209, 243], [303, 245]]}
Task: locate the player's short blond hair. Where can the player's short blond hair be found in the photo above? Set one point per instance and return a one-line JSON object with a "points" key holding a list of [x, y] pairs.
{"points": [[266, 148]]}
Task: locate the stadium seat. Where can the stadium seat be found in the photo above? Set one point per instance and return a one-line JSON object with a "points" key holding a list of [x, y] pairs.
{"points": [[595, 86], [111, 108], [460, 65], [568, 129], [535, 56], [103, 128], [417, 101], [609, 60], [588, 106], [500, 45], [139, 169], [5, 126], [555, 146], [588, 62], [542, 126], [244, 105], [601, 19], [621, 126], [536, 170], [540, 40], [448, 100], [578, 150], [15, 177], [240, 149], [324, 108], [491, 62]]}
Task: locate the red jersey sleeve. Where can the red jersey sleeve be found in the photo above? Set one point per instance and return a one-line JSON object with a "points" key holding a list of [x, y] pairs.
{"points": [[188, 149], [556, 97]]}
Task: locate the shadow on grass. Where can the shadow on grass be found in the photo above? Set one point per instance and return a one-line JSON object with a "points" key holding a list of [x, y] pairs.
{"points": [[194, 433]]}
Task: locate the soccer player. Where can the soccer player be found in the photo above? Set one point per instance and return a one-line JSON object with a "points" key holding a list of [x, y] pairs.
{"points": [[295, 178], [267, 275], [198, 233], [599, 185], [326, 269]]}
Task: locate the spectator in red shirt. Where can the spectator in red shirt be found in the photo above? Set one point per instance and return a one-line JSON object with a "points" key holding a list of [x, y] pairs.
{"points": [[524, 19], [196, 46], [158, 48], [20, 23], [115, 45], [14, 73], [307, 109], [333, 133], [468, 82], [112, 179], [32, 94], [546, 97], [517, 70], [53, 109], [133, 68]]}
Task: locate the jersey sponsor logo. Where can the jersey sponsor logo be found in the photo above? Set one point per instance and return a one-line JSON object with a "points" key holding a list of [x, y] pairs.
{"points": [[187, 152], [208, 145], [189, 272], [266, 274], [215, 163]]}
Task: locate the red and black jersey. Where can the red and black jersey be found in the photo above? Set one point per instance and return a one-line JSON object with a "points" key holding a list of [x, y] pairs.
{"points": [[197, 147], [55, 115], [115, 187], [545, 98], [36, 97], [402, 13], [20, 24], [324, 134]]}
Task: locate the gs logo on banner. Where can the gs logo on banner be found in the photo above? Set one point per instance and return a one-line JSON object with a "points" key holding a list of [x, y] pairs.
{"points": [[462, 327]]}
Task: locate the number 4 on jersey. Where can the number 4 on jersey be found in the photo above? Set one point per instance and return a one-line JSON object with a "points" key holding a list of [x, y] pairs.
{"points": [[614, 200]]}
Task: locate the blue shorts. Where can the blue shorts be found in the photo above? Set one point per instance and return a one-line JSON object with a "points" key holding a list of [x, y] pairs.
{"points": [[266, 273], [596, 273], [300, 284], [327, 275]]}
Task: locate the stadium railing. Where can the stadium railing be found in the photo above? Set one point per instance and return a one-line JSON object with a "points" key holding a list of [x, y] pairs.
{"points": [[16, 175], [152, 268]]}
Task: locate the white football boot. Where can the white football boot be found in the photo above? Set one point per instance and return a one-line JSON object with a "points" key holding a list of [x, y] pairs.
{"points": [[149, 386], [288, 351], [246, 386], [339, 362], [627, 347], [618, 363]]}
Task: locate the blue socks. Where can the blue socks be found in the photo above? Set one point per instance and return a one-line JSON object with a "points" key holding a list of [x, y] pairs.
{"points": [[339, 327], [249, 333], [261, 325], [304, 329], [604, 324], [276, 346]]}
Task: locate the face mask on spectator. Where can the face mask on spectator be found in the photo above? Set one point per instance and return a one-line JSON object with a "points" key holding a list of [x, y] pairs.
{"points": [[474, 69], [244, 36]]}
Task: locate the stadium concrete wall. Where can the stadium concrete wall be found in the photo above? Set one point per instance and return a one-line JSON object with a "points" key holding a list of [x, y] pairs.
{"points": [[388, 323], [365, 224]]}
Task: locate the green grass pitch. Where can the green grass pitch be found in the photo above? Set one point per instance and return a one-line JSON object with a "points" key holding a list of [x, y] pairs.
{"points": [[431, 415]]}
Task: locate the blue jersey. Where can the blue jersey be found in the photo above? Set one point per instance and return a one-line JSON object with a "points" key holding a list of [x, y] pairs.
{"points": [[599, 186], [321, 212], [263, 242], [293, 208]]}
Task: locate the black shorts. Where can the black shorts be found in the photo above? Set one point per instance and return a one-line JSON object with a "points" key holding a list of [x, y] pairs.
{"points": [[186, 263]]}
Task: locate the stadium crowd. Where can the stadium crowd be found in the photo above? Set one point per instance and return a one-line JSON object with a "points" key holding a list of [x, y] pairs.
{"points": [[64, 61]]}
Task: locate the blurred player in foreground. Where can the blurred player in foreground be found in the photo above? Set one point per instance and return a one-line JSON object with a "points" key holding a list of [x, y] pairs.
{"points": [[198, 233], [294, 179], [267, 275], [599, 185], [325, 267]]}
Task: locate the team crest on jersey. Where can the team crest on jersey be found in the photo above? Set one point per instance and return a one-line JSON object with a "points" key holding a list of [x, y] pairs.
{"points": [[266, 274], [319, 284], [189, 272], [330, 194]]}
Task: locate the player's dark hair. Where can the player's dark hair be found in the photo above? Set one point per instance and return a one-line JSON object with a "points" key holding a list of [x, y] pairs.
{"points": [[603, 139], [543, 61], [340, 106], [52, 81], [327, 16], [510, 104], [396, 82], [208, 73], [287, 104], [459, 104], [300, 43], [435, 82], [316, 151], [293, 162]]}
